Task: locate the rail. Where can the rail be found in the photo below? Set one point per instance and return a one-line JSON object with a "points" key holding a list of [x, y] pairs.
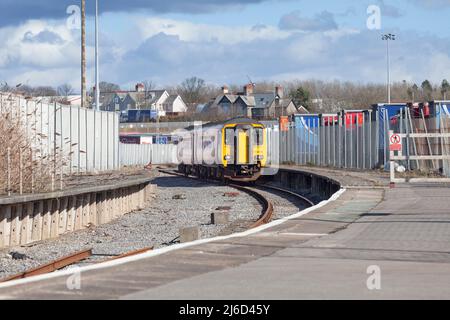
{"points": [[52, 266]]}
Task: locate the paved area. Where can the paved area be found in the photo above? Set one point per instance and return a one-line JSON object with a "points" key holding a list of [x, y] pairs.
{"points": [[395, 240]]}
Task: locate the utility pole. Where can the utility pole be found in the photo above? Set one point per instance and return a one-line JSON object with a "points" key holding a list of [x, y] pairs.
{"points": [[387, 38], [83, 53], [97, 87]]}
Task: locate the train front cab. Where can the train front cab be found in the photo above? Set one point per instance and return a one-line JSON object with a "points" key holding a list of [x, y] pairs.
{"points": [[244, 150]]}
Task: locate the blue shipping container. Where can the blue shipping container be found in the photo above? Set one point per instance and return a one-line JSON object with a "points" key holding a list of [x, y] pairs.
{"points": [[306, 126], [141, 115], [385, 113], [441, 110]]}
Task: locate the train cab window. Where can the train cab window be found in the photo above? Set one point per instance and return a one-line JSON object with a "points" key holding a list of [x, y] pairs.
{"points": [[229, 136], [258, 136]]}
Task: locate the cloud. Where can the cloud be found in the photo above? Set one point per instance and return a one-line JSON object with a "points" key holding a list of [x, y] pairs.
{"points": [[44, 36], [46, 53], [197, 32], [321, 22], [389, 10], [432, 4], [15, 12]]}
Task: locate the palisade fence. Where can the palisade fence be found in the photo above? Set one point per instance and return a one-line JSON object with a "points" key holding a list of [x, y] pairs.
{"points": [[362, 145], [70, 139], [352, 147]]}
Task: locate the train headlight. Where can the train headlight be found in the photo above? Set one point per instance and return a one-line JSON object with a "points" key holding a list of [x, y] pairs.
{"points": [[228, 158], [260, 157]]}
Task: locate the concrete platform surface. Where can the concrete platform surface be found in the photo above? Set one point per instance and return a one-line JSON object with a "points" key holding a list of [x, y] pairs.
{"points": [[371, 243]]}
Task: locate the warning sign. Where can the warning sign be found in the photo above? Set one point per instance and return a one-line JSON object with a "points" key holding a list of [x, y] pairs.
{"points": [[395, 142]]}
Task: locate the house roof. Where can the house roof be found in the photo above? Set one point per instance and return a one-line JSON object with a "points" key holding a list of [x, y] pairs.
{"points": [[248, 100], [171, 99], [155, 95], [208, 106], [256, 100], [264, 100], [302, 110]]}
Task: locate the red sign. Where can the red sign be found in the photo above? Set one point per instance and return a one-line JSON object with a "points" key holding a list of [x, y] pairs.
{"points": [[284, 123], [395, 142]]}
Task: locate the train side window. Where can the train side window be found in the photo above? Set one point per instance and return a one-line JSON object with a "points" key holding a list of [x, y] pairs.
{"points": [[258, 136], [229, 136]]}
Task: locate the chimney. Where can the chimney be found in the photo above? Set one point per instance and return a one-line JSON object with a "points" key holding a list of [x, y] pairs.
{"points": [[279, 91], [248, 89], [140, 87], [225, 90]]}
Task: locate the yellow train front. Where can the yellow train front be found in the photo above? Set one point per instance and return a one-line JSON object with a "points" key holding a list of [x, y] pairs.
{"points": [[235, 150]]}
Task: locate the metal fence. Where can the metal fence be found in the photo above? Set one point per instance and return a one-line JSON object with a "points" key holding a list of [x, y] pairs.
{"points": [[143, 154], [83, 140], [361, 144], [337, 145]]}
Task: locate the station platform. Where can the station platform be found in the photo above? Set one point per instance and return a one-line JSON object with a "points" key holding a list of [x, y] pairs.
{"points": [[368, 242]]}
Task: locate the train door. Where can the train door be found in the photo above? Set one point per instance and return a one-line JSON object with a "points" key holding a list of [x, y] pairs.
{"points": [[243, 142]]}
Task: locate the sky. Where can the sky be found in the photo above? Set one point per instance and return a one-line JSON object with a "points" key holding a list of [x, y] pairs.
{"points": [[225, 42]]}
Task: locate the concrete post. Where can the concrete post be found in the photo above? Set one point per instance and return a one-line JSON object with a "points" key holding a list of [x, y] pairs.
{"points": [[218, 218], [189, 234]]}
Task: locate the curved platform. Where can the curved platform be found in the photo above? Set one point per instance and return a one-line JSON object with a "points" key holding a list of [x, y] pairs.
{"points": [[367, 242]]}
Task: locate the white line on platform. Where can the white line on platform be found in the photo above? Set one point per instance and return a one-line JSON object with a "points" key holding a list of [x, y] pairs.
{"points": [[304, 234], [161, 251]]}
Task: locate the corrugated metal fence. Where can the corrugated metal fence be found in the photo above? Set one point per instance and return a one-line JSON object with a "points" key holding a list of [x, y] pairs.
{"points": [[87, 139], [143, 154]]}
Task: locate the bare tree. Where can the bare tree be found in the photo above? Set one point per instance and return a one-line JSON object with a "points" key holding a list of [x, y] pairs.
{"points": [[4, 87], [192, 90], [44, 91], [65, 90], [149, 85], [108, 87]]}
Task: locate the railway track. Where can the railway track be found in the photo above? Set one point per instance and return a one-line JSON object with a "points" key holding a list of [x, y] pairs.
{"points": [[64, 262], [268, 196], [274, 201], [52, 266]]}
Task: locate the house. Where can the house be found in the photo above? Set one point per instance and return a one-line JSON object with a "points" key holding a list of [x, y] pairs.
{"points": [[254, 105], [174, 105], [140, 99]]}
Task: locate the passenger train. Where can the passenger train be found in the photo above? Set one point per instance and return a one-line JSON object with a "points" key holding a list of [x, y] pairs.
{"points": [[234, 150]]}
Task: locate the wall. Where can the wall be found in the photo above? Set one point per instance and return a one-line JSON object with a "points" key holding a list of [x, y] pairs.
{"points": [[313, 186], [27, 219]]}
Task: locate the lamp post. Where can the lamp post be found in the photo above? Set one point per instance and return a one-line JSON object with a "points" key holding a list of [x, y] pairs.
{"points": [[97, 87], [83, 53], [388, 37]]}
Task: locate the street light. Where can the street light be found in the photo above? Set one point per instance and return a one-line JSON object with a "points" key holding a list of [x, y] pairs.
{"points": [[83, 53], [97, 88], [388, 37]]}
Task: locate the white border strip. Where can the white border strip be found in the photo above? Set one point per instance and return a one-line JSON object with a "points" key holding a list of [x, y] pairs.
{"points": [[161, 251]]}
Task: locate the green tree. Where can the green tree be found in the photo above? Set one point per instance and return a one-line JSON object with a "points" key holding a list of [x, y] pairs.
{"points": [[445, 87], [427, 89], [412, 92], [301, 97]]}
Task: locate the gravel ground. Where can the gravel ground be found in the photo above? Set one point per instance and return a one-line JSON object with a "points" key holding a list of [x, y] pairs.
{"points": [[179, 202]]}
